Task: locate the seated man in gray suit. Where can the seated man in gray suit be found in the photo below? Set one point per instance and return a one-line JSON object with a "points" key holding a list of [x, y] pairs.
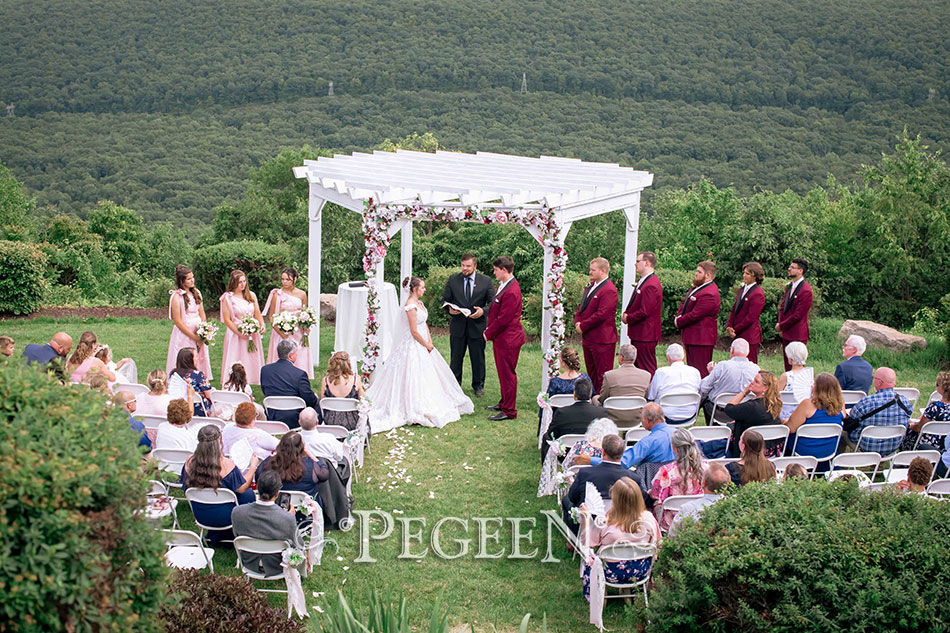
{"points": [[626, 380], [264, 519]]}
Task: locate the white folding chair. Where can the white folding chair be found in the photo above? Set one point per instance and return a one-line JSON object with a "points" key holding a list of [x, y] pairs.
{"points": [[807, 462], [939, 489], [941, 429], [171, 460], [262, 547], [157, 490], [912, 394], [681, 400], [674, 503], [230, 398], [711, 433], [724, 461], [339, 432], [210, 496], [634, 435], [624, 403], [339, 404], [272, 426], [856, 461], [819, 431], [789, 397], [198, 422], [561, 400], [875, 432], [151, 422], [617, 552], [186, 551], [851, 398], [901, 461], [878, 486], [570, 440], [283, 403], [719, 403], [136, 389], [771, 432]]}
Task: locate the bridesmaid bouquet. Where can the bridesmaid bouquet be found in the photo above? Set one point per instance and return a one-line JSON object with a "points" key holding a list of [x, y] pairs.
{"points": [[306, 319], [285, 322], [206, 332], [249, 326]]}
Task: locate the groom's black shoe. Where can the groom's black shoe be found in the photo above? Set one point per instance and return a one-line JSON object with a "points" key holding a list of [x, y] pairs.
{"points": [[479, 393], [493, 407], [499, 416]]}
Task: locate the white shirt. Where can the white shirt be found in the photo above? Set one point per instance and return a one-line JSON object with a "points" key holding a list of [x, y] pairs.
{"points": [[678, 377], [745, 289], [322, 444], [503, 284], [262, 442], [692, 509], [642, 279], [795, 285], [178, 437], [729, 376]]}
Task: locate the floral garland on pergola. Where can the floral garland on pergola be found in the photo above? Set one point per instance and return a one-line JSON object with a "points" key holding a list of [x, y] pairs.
{"points": [[377, 220]]}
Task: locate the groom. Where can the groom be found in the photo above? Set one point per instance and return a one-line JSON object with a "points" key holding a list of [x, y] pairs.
{"points": [[468, 289]]}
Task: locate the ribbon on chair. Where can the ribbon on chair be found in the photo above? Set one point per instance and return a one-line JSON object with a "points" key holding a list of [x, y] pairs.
{"points": [[547, 413], [296, 600], [549, 470], [598, 588]]}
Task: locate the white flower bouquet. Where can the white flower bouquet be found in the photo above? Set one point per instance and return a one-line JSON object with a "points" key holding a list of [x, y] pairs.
{"points": [[285, 322], [306, 319], [248, 326], [206, 332]]}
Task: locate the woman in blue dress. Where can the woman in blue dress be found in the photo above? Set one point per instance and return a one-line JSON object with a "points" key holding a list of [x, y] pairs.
{"points": [[209, 468], [186, 375], [570, 371], [825, 406]]}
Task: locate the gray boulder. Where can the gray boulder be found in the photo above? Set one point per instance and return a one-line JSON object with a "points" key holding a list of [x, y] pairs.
{"points": [[878, 335]]}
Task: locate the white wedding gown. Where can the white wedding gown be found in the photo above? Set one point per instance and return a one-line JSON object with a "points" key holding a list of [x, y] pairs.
{"points": [[415, 386]]}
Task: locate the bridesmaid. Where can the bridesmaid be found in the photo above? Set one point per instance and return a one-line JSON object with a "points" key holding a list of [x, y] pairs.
{"points": [[287, 298], [238, 302], [186, 310]]}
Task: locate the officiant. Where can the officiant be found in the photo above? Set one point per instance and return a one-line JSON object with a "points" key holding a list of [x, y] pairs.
{"points": [[473, 292]]}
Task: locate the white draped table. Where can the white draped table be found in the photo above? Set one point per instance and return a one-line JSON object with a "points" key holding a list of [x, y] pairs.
{"points": [[351, 320]]}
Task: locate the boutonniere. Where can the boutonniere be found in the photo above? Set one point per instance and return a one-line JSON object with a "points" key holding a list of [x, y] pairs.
{"points": [[693, 298]]}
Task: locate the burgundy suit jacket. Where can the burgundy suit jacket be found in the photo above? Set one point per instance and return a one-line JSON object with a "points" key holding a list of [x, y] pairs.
{"points": [[645, 311], [699, 316], [793, 322], [504, 317], [744, 318], [598, 318]]}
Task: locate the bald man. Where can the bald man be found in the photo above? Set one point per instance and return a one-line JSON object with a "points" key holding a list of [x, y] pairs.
{"points": [[59, 346], [884, 407]]}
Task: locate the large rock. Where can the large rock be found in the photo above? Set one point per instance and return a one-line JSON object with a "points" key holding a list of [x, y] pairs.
{"points": [[328, 307], [882, 336]]}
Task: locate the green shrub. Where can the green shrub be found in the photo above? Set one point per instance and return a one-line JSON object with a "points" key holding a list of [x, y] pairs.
{"points": [[261, 263], [211, 603], [75, 555], [435, 285], [574, 284], [22, 285], [806, 556], [156, 292], [676, 283]]}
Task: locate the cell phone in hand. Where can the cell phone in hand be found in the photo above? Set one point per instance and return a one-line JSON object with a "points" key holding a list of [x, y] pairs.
{"points": [[283, 500]]}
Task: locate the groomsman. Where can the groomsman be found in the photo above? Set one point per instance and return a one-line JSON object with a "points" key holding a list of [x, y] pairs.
{"points": [[596, 322], [507, 336], [697, 318], [750, 300], [644, 313], [793, 311], [473, 290]]}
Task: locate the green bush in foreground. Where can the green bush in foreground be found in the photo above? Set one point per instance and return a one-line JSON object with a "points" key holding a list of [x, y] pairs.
{"points": [[22, 286], [807, 556], [74, 556]]}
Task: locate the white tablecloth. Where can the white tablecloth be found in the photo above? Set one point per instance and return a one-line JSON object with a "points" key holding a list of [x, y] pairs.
{"points": [[351, 320]]}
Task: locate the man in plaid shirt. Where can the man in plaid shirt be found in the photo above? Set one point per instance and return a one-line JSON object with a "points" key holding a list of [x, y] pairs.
{"points": [[894, 412]]}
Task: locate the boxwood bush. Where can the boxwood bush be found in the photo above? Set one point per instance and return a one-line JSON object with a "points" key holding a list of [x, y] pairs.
{"points": [[22, 285], [74, 555], [806, 556], [261, 262]]}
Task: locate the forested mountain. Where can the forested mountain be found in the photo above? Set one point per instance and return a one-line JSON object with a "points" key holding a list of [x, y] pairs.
{"points": [[164, 106]]}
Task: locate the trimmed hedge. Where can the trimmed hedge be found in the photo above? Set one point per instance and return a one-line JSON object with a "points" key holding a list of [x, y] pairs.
{"points": [[806, 556], [22, 285], [261, 262], [74, 554]]}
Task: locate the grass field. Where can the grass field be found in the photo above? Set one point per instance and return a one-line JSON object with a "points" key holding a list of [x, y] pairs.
{"points": [[472, 469]]}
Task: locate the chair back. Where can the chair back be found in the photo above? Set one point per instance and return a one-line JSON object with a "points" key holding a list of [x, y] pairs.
{"points": [[257, 546], [561, 400], [337, 431], [171, 459], [151, 421], [181, 538], [807, 462], [819, 431], [198, 422], [911, 393], [851, 461], [674, 503], [570, 439], [157, 488], [789, 397], [934, 396], [211, 496], [771, 432], [939, 489], [624, 403], [626, 551], [852, 397], [634, 435], [901, 461], [133, 387], [723, 461], [933, 428], [719, 403], [272, 426], [682, 399], [710, 433], [875, 432], [232, 398], [186, 551], [284, 403], [339, 404]]}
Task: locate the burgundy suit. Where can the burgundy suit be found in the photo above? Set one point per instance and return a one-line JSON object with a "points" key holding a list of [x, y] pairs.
{"points": [[793, 316], [505, 330], [644, 315], [698, 323], [744, 318], [597, 315]]}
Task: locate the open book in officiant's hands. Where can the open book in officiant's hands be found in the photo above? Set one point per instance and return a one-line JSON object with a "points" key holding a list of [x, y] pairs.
{"points": [[464, 311]]}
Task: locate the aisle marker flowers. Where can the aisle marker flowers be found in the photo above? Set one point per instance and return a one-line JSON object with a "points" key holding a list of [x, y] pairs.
{"points": [[249, 326]]}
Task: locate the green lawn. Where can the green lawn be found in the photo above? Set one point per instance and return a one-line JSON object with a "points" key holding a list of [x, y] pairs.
{"points": [[473, 468]]}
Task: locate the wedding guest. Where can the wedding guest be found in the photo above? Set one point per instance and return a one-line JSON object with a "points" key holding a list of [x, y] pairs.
{"points": [[626, 380], [186, 310], [186, 374], [854, 373], [753, 465], [265, 520], [262, 442], [58, 347], [209, 468], [681, 477], [124, 370], [6, 346], [126, 400], [937, 411], [919, 472], [590, 446], [174, 432], [603, 475], [318, 443], [283, 378], [569, 373], [763, 408], [237, 382], [715, 481], [83, 361], [341, 382], [155, 402], [288, 298], [795, 471], [297, 470], [799, 379], [237, 303], [824, 406], [98, 382]]}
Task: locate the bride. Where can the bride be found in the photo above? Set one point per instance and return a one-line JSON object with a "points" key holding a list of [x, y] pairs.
{"points": [[415, 385]]}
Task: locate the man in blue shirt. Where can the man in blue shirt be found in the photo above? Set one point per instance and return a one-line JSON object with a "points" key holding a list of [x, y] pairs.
{"points": [[885, 407], [58, 346], [655, 447], [854, 373], [126, 400]]}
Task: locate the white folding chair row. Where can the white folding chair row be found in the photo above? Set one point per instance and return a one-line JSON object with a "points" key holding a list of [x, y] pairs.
{"points": [[684, 399], [941, 429], [186, 551], [135, 388], [819, 431], [911, 393], [939, 489], [210, 496], [719, 403], [875, 432], [807, 462], [283, 403], [899, 463], [856, 461]]}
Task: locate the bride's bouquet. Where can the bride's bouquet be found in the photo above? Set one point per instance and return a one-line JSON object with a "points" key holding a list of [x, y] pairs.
{"points": [[206, 332], [285, 322], [249, 326], [306, 319]]}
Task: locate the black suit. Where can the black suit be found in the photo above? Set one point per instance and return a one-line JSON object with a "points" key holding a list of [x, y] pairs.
{"points": [[282, 378], [603, 476], [572, 420], [465, 332]]}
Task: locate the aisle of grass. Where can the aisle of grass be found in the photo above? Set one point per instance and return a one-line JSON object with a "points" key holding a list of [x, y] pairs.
{"points": [[472, 468]]}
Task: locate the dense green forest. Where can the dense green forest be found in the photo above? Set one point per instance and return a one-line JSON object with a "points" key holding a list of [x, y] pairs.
{"points": [[164, 107]]}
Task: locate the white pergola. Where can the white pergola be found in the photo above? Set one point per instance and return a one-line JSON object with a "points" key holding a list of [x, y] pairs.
{"points": [[571, 188]]}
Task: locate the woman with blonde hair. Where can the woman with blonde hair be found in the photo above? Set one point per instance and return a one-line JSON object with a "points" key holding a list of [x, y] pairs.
{"points": [[763, 408], [341, 382], [84, 361], [753, 465], [155, 402], [627, 521], [825, 406], [681, 477], [237, 303]]}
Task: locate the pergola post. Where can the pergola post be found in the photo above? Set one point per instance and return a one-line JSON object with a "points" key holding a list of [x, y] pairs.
{"points": [[546, 316], [632, 216], [314, 257], [405, 260]]}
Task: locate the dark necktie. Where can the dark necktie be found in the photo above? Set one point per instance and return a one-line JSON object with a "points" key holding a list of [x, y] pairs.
{"points": [[468, 289]]}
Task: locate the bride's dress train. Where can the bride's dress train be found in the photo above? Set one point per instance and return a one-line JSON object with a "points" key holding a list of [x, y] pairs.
{"points": [[415, 386]]}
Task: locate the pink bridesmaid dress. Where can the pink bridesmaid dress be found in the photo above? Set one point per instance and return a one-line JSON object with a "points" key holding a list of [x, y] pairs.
{"points": [[234, 349], [179, 339], [288, 303]]}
